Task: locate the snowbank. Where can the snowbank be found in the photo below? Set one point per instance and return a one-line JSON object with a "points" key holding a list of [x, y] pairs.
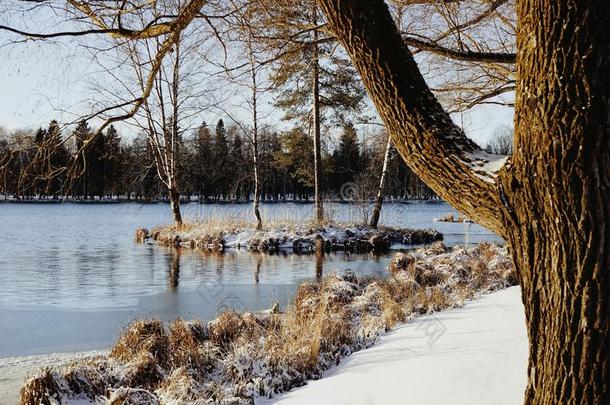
{"points": [[298, 238], [13, 370], [472, 355]]}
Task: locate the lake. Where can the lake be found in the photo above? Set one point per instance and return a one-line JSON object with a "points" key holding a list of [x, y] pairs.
{"points": [[71, 275]]}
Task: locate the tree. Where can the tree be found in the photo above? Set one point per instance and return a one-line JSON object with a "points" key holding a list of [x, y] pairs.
{"points": [[220, 159], [501, 142], [382, 180], [551, 203], [347, 160], [112, 161], [296, 161], [203, 162], [313, 80]]}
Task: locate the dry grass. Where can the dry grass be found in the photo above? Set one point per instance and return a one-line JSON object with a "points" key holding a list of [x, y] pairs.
{"points": [[240, 356]]}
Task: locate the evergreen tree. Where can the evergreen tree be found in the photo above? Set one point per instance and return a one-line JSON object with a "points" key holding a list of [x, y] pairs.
{"points": [[296, 161], [112, 161], [347, 158], [240, 172], [58, 157], [220, 160], [202, 172]]}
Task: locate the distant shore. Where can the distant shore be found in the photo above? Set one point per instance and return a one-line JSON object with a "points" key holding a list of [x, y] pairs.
{"points": [[195, 201]]}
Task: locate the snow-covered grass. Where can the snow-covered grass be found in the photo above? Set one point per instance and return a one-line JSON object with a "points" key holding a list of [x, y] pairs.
{"points": [[453, 218], [237, 357], [296, 237]]}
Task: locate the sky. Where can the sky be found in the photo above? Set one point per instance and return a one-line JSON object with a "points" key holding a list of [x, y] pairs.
{"points": [[41, 81]]}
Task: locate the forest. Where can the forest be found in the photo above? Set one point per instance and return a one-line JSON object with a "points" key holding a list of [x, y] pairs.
{"points": [[214, 164]]}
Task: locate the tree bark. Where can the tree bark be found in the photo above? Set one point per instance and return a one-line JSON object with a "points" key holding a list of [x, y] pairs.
{"points": [[379, 199], [550, 202], [174, 202], [557, 204], [317, 153]]}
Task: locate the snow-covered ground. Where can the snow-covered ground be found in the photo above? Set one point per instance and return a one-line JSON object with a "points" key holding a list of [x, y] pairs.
{"points": [[472, 355], [13, 371]]}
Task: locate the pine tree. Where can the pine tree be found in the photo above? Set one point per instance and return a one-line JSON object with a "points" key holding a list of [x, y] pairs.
{"points": [[296, 161], [112, 161], [220, 160], [347, 159], [202, 179], [240, 174], [313, 81]]}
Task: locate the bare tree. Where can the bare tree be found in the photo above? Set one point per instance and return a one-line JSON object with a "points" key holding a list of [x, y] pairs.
{"points": [[380, 190], [501, 141]]}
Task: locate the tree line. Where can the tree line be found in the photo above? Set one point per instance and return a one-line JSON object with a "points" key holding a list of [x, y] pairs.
{"points": [[214, 165]]}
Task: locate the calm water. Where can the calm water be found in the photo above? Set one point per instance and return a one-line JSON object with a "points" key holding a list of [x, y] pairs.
{"points": [[71, 275]]}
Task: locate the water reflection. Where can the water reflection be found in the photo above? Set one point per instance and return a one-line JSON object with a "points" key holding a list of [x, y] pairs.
{"points": [[319, 261], [174, 268], [257, 270]]}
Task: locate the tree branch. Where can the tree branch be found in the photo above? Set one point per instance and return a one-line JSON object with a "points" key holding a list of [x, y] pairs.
{"points": [[485, 57], [434, 147]]}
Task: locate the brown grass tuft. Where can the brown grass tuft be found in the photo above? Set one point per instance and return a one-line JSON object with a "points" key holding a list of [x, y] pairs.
{"points": [[142, 337], [41, 389]]}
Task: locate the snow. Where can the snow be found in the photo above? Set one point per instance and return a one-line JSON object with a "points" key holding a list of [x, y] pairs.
{"points": [[13, 370], [472, 355], [485, 165]]}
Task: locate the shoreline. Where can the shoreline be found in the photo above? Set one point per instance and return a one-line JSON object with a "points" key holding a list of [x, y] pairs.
{"points": [[243, 357], [14, 370], [209, 202]]}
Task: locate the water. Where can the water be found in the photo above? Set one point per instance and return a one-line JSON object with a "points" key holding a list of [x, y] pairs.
{"points": [[71, 275]]}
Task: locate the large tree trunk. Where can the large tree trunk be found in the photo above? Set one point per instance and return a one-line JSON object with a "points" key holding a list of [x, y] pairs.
{"points": [[379, 198], [550, 203], [317, 153], [557, 198]]}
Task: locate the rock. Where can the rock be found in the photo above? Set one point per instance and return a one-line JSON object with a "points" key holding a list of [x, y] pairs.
{"points": [[142, 235], [447, 218], [378, 243]]}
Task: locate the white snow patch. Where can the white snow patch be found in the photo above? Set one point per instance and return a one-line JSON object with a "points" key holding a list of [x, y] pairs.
{"points": [[479, 358], [485, 165]]}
